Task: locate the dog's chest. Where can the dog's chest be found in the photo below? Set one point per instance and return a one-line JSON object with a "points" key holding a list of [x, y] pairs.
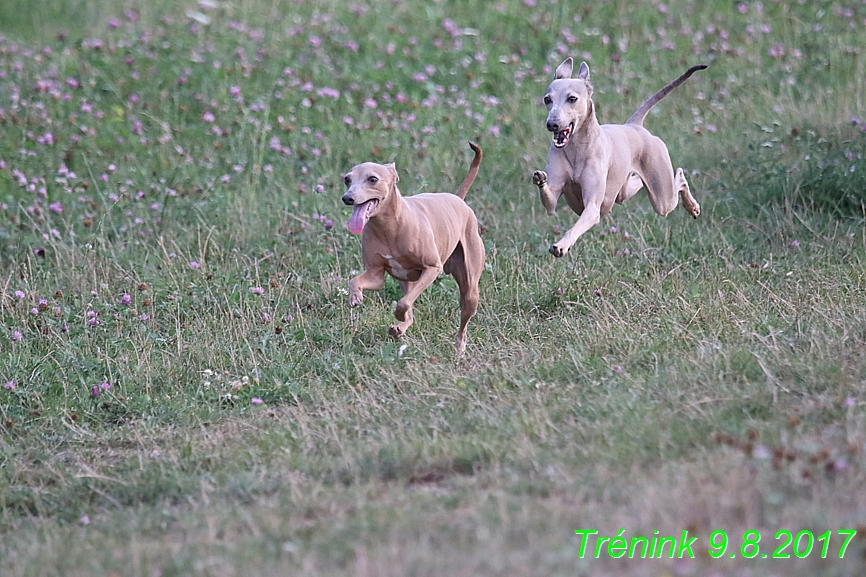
{"points": [[398, 271], [573, 194]]}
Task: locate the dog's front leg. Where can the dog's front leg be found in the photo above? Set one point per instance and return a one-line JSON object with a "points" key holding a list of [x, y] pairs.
{"points": [[411, 291], [549, 191], [371, 279], [593, 189]]}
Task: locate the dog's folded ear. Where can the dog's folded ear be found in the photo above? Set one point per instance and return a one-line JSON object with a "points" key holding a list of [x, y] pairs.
{"points": [[564, 70], [392, 168]]}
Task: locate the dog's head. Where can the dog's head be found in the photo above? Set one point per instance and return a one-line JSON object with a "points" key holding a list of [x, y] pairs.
{"points": [[568, 101], [368, 185]]}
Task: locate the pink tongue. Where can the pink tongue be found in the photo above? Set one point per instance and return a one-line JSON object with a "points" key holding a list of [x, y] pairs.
{"points": [[358, 218]]}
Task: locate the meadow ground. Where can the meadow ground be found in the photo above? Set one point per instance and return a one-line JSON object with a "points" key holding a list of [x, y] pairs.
{"points": [[184, 390]]}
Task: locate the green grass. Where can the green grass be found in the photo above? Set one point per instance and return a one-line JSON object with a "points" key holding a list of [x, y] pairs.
{"points": [[668, 374]]}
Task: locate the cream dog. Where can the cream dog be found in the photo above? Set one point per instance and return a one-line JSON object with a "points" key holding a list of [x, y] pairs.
{"points": [[414, 239], [595, 166]]}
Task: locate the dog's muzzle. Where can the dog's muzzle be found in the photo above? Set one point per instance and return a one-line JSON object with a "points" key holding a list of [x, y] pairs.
{"points": [[560, 134]]}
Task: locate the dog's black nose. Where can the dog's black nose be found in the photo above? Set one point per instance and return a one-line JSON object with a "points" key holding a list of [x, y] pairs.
{"points": [[552, 126], [348, 199]]}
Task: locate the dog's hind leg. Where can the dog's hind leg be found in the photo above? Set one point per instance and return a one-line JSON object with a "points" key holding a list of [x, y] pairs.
{"points": [[466, 264], [658, 177], [689, 203], [630, 188], [663, 186]]}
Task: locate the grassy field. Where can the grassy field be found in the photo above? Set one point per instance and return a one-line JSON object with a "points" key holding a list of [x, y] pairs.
{"points": [[185, 391]]}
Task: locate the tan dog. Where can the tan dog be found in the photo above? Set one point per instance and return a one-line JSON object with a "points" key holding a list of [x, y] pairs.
{"points": [[595, 166], [414, 239]]}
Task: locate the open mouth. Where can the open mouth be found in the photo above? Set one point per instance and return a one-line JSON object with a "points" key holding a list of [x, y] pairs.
{"points": [[360, 215], [560, 138]]}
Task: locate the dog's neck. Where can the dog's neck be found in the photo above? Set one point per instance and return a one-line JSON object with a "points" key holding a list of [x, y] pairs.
{"points": [[589, 128]]}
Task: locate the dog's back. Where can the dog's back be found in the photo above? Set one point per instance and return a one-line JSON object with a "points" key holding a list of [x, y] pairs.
{"points": [[447, 216]]}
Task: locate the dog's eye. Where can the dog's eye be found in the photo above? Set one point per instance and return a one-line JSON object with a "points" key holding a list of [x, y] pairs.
{"points": [[548, 100], [572, 99], [373, 180], [348, 181]]}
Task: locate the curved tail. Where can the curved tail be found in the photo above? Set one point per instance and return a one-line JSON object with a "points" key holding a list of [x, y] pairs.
{"points": [[640, 114], [473, 171]]}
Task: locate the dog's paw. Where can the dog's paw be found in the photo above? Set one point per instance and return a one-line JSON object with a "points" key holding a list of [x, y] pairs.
{"points": [[460, 343], [539, 178], [695, 210], [356, 298], [557, 251], [396, 332]]}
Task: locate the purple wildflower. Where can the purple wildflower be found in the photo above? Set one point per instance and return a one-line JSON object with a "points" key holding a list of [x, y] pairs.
{"points": [[328, 92], [451, 27]]}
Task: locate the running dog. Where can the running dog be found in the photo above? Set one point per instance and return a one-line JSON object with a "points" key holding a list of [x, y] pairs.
{"points": [[414, 239], [596, 165]]}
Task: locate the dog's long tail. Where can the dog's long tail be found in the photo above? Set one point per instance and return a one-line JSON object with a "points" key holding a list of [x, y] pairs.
{"points": [[473, 171], [640, 114]]}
